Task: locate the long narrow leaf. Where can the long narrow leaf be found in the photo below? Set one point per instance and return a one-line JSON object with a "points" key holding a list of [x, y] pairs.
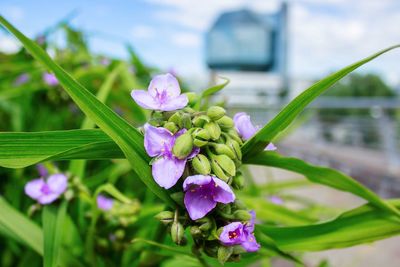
{"points": [[321, 175], [362, 225], [128, 138], [295, 107]]}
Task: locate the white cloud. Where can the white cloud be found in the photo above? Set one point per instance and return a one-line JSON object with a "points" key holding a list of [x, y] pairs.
{"points": [[143, 32], [186, 39], [9, 45]]}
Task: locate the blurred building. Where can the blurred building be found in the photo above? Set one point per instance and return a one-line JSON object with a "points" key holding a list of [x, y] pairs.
{"points": [[251, 49]]}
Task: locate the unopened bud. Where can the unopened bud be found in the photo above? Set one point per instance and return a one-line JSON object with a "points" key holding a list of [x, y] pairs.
{"points": [[201, 134], [195, 231], [235, 147], [199, 143], [224, 253], [222, 149], [176, 118], [225, 122], [170, 126], [201, 164], [225, 163], [183, 146], [235, 136], [199, 121], [177, 233], [242, 215], [215, 113], [238, 181], [166, 217], [192, 97], [186, 121], [213, 129]]}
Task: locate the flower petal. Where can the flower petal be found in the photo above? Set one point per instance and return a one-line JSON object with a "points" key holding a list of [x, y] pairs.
{"points": [[145, 100], [244, 126], [224, 193], [104, 203], [196, 180], [57, 183], [47, 198], [167, 171], [251, 245], [174, 103], [156, 139], [270, 147], [164, 82], [197, 204], [33, 188]]}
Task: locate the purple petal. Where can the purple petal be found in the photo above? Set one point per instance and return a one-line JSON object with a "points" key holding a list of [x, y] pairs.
{"points": [[194, 153], [50, 79], [249, 228], [198, 205], [42, 170], [226, 236], [157, 140], [276, 200], [244, 126], [175, 103], [167, 171], [251, 245], [34, 187], [270, 147], [224, 193], [57, 183], [164, 83], [196, 180], [144, 99], [104, 203], [47, 198]]}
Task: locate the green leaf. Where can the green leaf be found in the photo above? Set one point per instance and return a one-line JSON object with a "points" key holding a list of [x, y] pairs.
{"points": [[212, 90], [128, 138], [16, 225], [295, 107], [19, 150], [53, 222], [361, 225], [321, 175]]}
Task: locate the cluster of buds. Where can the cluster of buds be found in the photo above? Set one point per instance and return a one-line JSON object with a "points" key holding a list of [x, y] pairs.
{"points": [[196, 156]]}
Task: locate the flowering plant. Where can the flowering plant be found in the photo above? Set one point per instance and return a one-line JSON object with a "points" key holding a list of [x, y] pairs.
{"points": [[193, 158]]}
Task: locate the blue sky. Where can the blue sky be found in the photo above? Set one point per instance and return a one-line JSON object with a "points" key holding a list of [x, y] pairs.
{"points": [[325, 34]]}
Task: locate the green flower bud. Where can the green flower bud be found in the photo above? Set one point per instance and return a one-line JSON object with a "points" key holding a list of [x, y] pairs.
{"points": [[183, 146], [239, 204], [201, 134], [222, 149], [177, 233], [215, 113], [193, 98], [199, 143], [238, 250], [225, 122], [242, 215], [238, 181], [189, 110], [213, 129], [178, 198], [176, 118], [217, 170], [199, 121], [186, 121], [235, 147], [201, 164], [195, 231], [235, 136], [224, 253], [170, 126], [166, 217], [225, 163]]}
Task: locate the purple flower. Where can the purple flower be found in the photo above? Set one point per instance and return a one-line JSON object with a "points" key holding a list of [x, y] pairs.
{"points": [[104, 203], [166, 169], [202, 194], [238, 233], [276, 200], [163, 94], [42, 170], [50, 79], [246, 129], [46, 191], [21, 79]]}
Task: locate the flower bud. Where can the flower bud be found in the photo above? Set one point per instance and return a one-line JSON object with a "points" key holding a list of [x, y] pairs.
{"points": [[186, 121], [215, 112], [166, 217], [178, 198], [170, 126], [201, 164], [214, 130], [242, 215], [199, 143], [199, 121], [235, 136], [176, 118], [217, 170], [201, 134], [222, 149], [177, 233], [192, 97], [195, 231], [224, 253], [183, 146], [238, 181], [225, 122], [235, 147], [225, 163]]}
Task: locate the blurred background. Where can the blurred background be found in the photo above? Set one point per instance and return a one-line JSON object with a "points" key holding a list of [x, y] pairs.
{"points": [[271, 51]]}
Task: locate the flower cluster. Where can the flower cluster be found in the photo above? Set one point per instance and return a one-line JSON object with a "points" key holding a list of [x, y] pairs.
{"points": [[196, 155]]}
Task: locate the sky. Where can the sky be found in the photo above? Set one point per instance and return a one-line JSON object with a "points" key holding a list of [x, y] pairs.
{"points": [[325, 34]]}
